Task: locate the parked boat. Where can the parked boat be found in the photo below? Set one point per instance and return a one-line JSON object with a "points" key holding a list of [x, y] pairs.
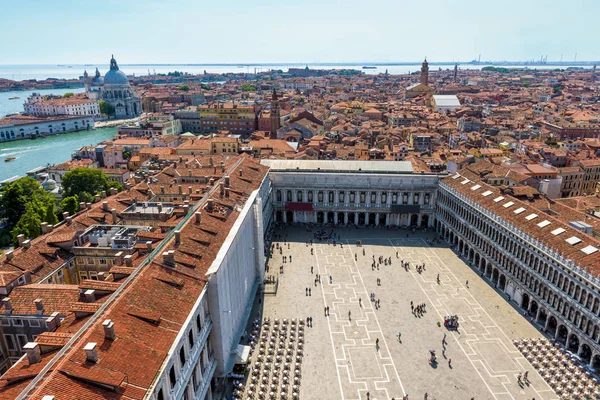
{"points": [[8, 159], [14, 98], [369, 67]]}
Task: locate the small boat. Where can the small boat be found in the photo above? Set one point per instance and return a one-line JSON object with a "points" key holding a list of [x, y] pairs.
{"points": [[9, 159], [369, 67], [14, 98]]}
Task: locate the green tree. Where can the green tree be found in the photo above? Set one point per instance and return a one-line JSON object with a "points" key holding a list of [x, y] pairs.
{"points": [[17, 194], [185, 88], [247, 87], [106, 108], [85, 183], [205, 86], [70, 204], [36, 211], [69, 94]]}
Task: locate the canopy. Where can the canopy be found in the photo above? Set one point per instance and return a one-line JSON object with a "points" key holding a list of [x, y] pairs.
{"points": [[242, 353]]}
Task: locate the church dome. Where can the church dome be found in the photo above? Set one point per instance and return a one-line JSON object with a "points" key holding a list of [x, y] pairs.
{"points": [[49, 184], [115, 76]]}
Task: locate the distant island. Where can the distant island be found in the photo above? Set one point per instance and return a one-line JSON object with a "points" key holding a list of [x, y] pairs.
{"points": [[7, 85]]}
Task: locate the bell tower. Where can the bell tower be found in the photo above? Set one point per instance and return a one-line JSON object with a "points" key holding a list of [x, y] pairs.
{"points": [[425, 72], [275, 114]]}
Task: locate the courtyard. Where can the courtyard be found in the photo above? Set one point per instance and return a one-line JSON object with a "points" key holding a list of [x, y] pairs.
{"points": [[341, 359]]}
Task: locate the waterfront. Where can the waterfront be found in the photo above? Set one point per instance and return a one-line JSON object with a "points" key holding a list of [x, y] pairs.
{"points": [[74, 71], [49, 150], [14, 106]]}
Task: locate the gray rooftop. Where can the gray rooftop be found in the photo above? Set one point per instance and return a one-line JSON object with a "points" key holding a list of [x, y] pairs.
{"points": [[340, 166]]}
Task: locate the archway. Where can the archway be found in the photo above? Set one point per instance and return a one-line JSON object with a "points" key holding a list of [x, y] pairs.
{"points": [[585, 353], [330, 217], [476, 259], [460, 246], [340, 217], [289, 215], [502, 282], [534, 307], [542, 317], [351, 218], [361, 219], [320, 217], [561, 334], [573, 343], [372, 219], [525, 301], [495, 275], [413, 220], [279, 216], [552, 324], [596, 362], [424, 221]]}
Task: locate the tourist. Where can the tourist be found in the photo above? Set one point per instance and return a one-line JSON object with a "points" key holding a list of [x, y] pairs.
{"points": [[450, 364], [350, 315], [525, 376], [311, 269], [400, 337], [467, 283], [330, 279], [377, 343], [360, 302], [307, 291], [327, 310]]}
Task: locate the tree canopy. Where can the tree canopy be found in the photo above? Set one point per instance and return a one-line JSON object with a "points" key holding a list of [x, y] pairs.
{"points": [[185, 88], [248, 87], [16, 196], [70, 204], [106, 108], [69, 94], [85, 183]]}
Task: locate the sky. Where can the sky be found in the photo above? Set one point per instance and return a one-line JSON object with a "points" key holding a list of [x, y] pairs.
{"points": [[299, 31]]}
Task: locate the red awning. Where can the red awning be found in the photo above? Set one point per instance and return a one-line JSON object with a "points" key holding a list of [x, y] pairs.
{"points": [[298, 207]]}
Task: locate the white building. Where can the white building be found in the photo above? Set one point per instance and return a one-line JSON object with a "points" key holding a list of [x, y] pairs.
{"points": [[445, 102], [352, 192], [37, 105], [27, 126]]}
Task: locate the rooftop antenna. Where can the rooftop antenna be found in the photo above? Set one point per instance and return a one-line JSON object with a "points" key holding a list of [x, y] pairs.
{"points": [[575, 59]]}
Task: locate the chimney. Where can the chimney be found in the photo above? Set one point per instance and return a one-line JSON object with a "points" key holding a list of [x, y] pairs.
{"points": [[97, 198], [81, 205], [169, 258], [159, 207], [91, 354], [53, 321], [241, 172], [186, 209], [119, 258], [189, 190], [109, 329], [129, 260], [221, 188], [127, 186], [105, 206], [88, 206], [34, 355], [27, 243], [198, 215], [179, 189], [44, 226], [39, 306], [90, 295], [162, 189], [227, 180], [113, 211], [66, 213], [103, 194], [177, 237], [211, 182], [21, 239], [210, 204], [7, 305], [102, 276], [9, 255], [227, 192], [113, 191], [222, 167], [149, 246], [69, 219]]}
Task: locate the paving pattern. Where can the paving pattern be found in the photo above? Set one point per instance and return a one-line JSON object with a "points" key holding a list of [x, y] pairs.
{"points": [[342, 357]]}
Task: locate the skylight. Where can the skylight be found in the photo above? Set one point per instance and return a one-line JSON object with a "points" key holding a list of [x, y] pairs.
{"points": [[573, 240], [456, 176], [519, 210], [487, 193], [465, 182], [589, 250], [509, 204], [475, 187], [531, 216], [544, 223], [497, 199], [558, 231]]}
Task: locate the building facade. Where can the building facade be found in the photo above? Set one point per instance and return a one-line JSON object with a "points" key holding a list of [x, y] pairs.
{"points": [[36, 104], [333, 192], [546, 267], [28, 126]]}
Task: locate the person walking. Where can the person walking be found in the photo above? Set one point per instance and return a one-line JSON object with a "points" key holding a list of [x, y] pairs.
{"points": [[450, 362], [525, 376], [350, 315], [360, 302], [377, 343], [327, 310], [306, 290], [400, 337], [309, 292], [330, 279], [312, 269]]}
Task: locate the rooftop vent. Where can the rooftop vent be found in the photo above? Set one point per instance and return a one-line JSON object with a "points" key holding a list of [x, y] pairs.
{"points": [[91, 354]]}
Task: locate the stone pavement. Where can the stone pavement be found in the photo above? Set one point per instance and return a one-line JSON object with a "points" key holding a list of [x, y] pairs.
{"points": [[341, 358]]}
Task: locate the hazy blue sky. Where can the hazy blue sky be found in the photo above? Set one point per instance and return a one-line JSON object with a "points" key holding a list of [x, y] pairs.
{"points": [[247, 31]]}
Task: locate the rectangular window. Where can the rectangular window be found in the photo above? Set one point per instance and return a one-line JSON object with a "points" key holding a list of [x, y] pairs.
{"points": [[17, 322], [395, 198], [10, 342], [34, 323], [405, 198], [331, 197], [373, 197], [362, 197], [352, 197], [342, 194], [4, 322], [22, 341], [320, 197], [91, 261], [288, 195], [426, 201], [383, 198], [93, 275], [310, 196], [102, 261], [416, 198], [299, 195], [83, 275]]}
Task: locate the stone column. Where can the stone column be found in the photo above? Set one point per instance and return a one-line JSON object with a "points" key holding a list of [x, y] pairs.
{"points": [[366, 218], [387, 219], [537, 314], [419, 220], [335, 217], [325, 217], [355, 218], [336, 198], [346, 217], [284, 217]]}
